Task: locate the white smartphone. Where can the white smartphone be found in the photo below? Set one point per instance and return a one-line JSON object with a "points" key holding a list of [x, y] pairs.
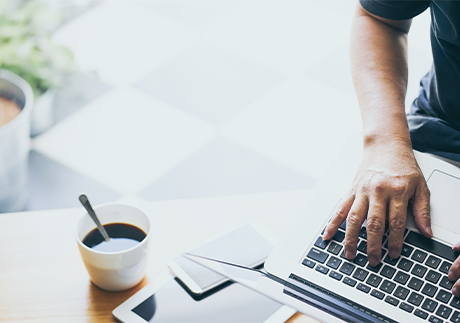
{"points": [[248, 245]]}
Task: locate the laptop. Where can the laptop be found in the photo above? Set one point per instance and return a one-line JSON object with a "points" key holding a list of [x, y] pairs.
{"points": [[313, 276]]}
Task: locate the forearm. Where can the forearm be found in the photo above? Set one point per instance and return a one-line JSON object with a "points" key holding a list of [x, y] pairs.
{"points": [[379, 69]]}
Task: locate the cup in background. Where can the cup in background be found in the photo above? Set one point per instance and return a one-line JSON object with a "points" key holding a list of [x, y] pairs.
{"points": [[121, 270]]}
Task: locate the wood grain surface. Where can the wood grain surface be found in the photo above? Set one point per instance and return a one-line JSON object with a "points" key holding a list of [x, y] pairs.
{"points": [[43, 279]]}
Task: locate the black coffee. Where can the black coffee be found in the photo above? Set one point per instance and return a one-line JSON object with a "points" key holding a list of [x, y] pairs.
{"points": [[122, 236]]}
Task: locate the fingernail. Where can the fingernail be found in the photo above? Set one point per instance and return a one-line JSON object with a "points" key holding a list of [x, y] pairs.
{"points": [[455, 291], [457, 245], [430, 232], [451, 276], [348, 254]]}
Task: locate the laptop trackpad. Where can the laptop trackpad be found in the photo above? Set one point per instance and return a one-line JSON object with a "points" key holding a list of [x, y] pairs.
{"points": [[445, 206]]}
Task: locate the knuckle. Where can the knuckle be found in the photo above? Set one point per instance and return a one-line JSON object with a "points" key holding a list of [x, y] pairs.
{"points": [[397, 224], [399, 188], [353, 219], [375, 225], [379, 187], [340, 214]]}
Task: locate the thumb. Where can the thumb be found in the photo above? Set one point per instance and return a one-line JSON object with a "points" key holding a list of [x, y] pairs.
{"points": [[421, 210]]}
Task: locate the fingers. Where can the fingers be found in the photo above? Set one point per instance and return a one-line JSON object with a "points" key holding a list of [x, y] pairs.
{"points": [[375, 227], [454, 274], [397, 221], [355, 219], [340, 216], [421, 209]]}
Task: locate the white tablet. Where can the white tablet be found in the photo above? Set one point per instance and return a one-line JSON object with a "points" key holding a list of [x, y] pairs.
{"points": [[164, 300], [248, 245]]}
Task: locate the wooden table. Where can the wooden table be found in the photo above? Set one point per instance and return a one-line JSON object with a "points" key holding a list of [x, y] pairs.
{"points": [[43, 279]]}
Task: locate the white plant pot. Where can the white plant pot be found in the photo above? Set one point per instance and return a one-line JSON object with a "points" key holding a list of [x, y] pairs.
{"points": [[15, 144], [42, 114]]}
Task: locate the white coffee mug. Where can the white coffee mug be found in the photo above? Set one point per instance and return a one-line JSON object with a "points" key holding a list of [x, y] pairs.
{"points": [[121, 270]]}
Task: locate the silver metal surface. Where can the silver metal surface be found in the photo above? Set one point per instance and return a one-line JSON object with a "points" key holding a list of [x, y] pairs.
{"points": [[84, 201]]}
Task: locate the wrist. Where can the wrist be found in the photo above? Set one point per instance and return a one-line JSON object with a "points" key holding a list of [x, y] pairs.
{"points": [[385, 138]]}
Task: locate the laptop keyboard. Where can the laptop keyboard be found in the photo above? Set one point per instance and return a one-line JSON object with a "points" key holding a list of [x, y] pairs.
{"points": [[416, 282]]}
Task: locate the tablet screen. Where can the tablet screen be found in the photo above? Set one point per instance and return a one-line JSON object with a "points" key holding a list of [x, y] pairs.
{"points": [[235, 303]]}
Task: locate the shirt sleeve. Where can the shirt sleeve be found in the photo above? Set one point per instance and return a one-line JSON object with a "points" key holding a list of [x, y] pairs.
{"points": [[395, 9]]}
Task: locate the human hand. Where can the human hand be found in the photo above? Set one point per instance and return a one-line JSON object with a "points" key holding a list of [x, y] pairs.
{"points": [[387, 179], [454, 273]]}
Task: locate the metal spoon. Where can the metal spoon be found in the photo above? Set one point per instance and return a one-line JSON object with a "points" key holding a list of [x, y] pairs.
{"points": [[84, 201]]}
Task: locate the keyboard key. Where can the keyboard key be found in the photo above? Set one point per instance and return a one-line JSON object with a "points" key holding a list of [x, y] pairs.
{"points": [[317, 255], [432, 246], [419, 255], [322, 269], [455, 303], [445, 267], [443, 311], [406, 307], [415, 283], [388, 272], [308, 263], [429, 305], [415, 299], [320, 243], [405, 264], [390, 261], [421, 314], [347, 268], [433, 262], [374, 269], [377, 294], [387, 286], [360, 274], [455, 317], [334, 248], [434, 319], [364, 288], [334, 262], [360, 259], [446, 283], [363, 233], [433, 276], [339, 236], [374, 280], [419, 270], [349, 281], [401, 292], [406, 250], [401, 278], [363, 246], [392, 301], [429, 290], [335, 275], [443, 296], [343, 226]]}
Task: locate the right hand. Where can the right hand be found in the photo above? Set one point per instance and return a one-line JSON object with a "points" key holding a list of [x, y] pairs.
{"points": [[387, 179]]}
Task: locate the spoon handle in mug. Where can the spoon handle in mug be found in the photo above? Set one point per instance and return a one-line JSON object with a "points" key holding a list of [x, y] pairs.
{"points": [[85, 202]]}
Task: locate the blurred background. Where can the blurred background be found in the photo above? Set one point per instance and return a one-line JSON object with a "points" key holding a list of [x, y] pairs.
{"points": [[146, 100]]}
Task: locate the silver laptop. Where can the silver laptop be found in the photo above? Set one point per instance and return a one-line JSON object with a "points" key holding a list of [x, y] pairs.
{"points": [[314, 277]]}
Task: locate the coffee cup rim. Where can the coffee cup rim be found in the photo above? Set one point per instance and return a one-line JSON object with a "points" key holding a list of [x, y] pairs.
{"points": [[80, 242]]}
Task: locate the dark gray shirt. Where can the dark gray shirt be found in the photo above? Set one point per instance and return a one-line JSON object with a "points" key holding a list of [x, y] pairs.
{"points": [[434, 118]]}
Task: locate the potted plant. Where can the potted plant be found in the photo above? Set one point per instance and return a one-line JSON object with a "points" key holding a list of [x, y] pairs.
{"points": [[26, 28]]}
